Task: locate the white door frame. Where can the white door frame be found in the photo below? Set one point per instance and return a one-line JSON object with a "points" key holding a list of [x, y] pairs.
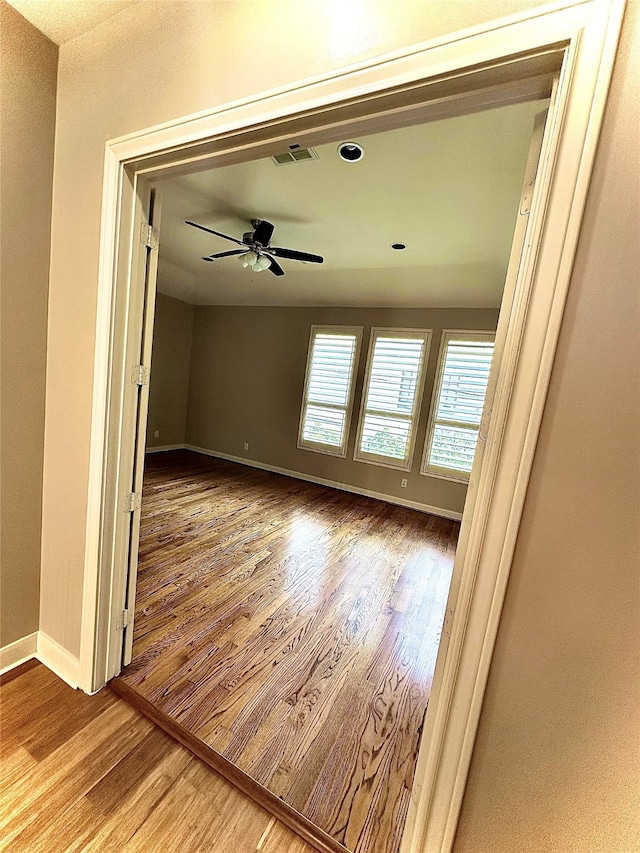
{"points": [[432, 78]]}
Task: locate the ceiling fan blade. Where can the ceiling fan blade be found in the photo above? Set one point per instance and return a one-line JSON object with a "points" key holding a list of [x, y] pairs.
{"points": [[211, 231], [224, 254], [294, 255], [263, 232], [274, 266]]}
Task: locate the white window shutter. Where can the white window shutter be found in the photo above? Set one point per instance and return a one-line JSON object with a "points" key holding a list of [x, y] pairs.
{"points": [[459, 402], [392, 396], [328, 389]]}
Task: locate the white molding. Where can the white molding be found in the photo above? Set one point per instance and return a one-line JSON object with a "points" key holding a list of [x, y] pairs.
{"points": [[107, 261], [40, 645], [488, 542], [164, 448], [462, 49], [20, 651], [589, 31], [320, 481], [61, 662]]}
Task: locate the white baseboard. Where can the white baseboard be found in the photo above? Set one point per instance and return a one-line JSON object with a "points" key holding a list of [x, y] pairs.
{"points": [[392, 499], [40, 645], [13, 654], [65, 665], [163, 449]]}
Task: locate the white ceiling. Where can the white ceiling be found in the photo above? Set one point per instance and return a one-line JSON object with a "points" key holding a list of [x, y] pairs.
{"points": [[63, 20], [448, 189]]}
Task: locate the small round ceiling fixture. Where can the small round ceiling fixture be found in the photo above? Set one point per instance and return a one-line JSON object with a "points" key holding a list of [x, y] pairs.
{"points": [[398, 246], [350, 152]]}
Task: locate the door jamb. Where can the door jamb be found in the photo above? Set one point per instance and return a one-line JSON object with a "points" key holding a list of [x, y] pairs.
{"points": [[588, 31]]}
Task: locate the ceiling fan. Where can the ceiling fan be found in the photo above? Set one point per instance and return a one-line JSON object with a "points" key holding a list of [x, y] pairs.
{"points": [[256, 251]]}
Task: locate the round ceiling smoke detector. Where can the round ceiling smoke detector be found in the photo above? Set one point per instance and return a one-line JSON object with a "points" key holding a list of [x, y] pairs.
{"points": [[350, 152]]}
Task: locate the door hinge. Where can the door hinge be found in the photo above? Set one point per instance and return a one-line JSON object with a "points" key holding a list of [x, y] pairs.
{"points": [[124, 620], [133, 501], [149, 236], [140, 375], [446, 625], [484, 425], [527, 195]]}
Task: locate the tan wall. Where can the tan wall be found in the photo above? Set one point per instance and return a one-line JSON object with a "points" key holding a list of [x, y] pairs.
{"points": [[556, 765], [559, 731], [169, 386], [28, 69], [247, 380]]}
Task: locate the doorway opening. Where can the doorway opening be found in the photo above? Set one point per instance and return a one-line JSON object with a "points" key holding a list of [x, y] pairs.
{"points": [[292, 628], [507, 62]]}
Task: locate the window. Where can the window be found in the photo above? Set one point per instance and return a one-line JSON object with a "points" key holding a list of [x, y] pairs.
{"points": [[458, 402], [328, 389], [391, 402]]}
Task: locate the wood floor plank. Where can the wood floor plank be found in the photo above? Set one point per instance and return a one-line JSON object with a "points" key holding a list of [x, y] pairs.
{"points": [[279, 839], [49, 699], [320, 841], [45, 792], [293, 629], [116, 783], [69, 831], [120, 824]]}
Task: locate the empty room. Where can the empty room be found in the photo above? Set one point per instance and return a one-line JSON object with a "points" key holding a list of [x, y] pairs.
{"points": [[323, 334], [311, 539]]}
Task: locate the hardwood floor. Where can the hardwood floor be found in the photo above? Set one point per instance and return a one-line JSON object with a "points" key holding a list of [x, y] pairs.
{"points": [[293, 629], [88, 773]]}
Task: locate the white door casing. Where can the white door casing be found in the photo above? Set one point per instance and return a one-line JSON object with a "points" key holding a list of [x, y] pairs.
{"points": [[581, 39], [461, 582]]}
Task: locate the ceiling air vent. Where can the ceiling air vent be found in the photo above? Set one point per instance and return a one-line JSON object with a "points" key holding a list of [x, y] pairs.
{"points": [[295, 155]]}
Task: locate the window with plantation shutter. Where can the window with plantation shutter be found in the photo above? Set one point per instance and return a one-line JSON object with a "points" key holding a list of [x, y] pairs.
{"points": [[391, 400], [328, 389], [458, 403]]}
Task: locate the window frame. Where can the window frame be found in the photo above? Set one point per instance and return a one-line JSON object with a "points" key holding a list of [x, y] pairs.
{"points": [[318, 447], [374, 459], [451, 474]]}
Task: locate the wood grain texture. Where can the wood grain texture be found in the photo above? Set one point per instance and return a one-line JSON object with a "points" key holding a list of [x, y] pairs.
{"points": [[293, 629], [303, 828], [112, 782]]}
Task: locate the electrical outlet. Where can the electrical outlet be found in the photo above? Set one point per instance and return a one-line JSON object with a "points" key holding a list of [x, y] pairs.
{"points": [[246, 445], [156, 434], [403, 483]]}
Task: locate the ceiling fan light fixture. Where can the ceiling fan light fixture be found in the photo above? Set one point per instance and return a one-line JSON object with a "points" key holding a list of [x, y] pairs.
{"points": [[257, 251]]}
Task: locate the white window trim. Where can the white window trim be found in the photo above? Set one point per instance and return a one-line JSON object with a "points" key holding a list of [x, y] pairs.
{"points": [[447, 334], [316, 447], [383, 461]]}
